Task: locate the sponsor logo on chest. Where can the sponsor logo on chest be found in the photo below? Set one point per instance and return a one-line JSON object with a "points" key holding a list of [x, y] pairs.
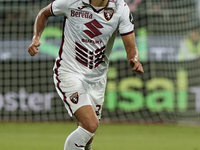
{"points": [[80, 14]]}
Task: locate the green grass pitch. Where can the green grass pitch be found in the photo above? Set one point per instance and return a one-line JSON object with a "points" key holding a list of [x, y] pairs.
{"points": [[51, 136]]}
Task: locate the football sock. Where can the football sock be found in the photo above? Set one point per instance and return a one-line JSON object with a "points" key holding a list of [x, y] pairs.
{"points": [[78, 139]]}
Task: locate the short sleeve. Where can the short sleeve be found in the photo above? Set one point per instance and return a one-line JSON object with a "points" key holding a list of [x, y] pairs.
{"points": [[59, 7], [126, 25]]}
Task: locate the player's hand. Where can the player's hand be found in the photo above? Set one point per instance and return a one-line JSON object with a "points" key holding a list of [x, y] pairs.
{"points": [[33, 48], [137, 66]]}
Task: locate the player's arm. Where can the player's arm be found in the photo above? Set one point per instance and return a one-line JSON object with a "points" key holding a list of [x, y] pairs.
{"points": [[132, 53], [40, 24]]}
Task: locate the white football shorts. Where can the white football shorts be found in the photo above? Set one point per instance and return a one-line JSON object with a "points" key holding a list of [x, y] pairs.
{"points": [[76, 93]]}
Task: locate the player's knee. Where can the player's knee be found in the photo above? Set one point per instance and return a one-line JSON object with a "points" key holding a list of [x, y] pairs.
{"points": [[91, 126]]}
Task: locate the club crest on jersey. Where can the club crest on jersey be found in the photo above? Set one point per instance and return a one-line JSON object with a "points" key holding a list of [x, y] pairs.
{"points": [[74, 98], [108, 13]]}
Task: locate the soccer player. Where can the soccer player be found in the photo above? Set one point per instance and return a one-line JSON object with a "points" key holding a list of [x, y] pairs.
{"points": [[89, 29]]}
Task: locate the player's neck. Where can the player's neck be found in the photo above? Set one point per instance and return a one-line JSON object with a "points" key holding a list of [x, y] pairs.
{"points": [[99, 3]]}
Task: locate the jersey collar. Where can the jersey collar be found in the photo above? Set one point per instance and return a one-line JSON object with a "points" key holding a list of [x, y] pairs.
{"points": [[111, 3]]}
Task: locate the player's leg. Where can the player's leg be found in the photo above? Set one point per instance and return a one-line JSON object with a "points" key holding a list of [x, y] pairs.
{"points": [[88, 124], [87, 118], [88, 146], [96, 96], [89, 143], [74, 95]]}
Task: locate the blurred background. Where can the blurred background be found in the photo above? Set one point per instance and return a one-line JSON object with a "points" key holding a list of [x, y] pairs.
{"points": [[168, 39]]}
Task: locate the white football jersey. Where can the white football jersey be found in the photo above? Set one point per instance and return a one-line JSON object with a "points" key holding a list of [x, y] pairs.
{"points": [[88, 36]]}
